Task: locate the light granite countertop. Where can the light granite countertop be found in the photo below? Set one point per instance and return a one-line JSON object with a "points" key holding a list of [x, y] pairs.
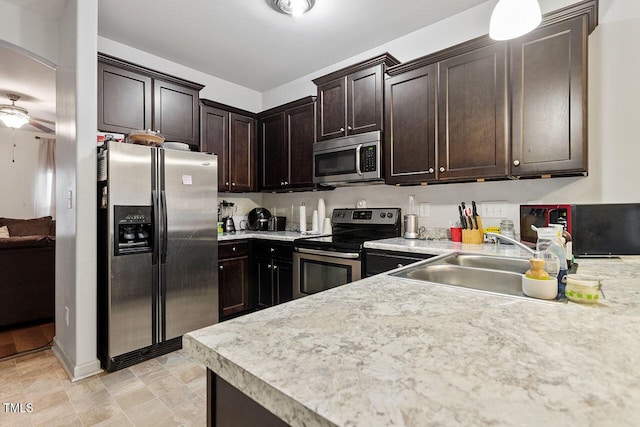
{"points": [[285, 236], [438, 247], [387, 351]]}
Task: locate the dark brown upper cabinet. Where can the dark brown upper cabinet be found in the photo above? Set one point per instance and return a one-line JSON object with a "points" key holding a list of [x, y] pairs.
{"points": [[131, 97], [351, 100], [230, 133], [287, 135], [458, 115], [549, 100], [473, 115], [410, 126]]}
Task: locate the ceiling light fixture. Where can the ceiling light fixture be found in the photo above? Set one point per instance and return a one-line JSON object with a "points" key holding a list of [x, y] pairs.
{"points": [[514, 18], [293, 7], [12, 115]]}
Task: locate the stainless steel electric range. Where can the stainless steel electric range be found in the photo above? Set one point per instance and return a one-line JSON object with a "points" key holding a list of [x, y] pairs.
{"points": [[321, 263]]}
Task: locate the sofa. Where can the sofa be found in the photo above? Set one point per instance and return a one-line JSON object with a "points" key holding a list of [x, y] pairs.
{"points": [[27, 270]]}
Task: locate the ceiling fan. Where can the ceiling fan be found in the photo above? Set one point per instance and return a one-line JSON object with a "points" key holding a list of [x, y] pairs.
{"points": [[14, 116]]}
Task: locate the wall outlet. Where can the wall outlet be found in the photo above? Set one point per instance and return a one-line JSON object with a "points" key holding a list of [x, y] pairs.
{"points": [[66, 315], [496, 209], [425, 210]]}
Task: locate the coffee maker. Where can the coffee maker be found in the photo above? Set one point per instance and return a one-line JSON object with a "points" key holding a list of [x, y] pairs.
{"points": [[227, 209]]}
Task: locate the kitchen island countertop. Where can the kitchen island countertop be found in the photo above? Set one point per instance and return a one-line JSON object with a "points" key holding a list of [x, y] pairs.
{"points": [[391, 351]]}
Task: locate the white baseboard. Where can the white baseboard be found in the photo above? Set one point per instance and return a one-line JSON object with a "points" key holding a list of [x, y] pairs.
{"points": [[75, 372]]}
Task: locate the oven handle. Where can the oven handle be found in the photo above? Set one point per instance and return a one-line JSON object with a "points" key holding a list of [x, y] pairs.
{"points": [[347, 255], [358, 170]]}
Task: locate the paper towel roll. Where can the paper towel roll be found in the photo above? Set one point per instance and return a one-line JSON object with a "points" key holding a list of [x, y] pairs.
{"points": [[303, 219], [321, 214], [314, 221]]}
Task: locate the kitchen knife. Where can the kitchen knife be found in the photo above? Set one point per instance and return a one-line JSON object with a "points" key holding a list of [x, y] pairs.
{"points": [[475, 212], [463, 222], [464, 215]]}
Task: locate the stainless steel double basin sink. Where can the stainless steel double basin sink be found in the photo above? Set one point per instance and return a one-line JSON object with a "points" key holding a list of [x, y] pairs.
{"points": [[494, 274]]}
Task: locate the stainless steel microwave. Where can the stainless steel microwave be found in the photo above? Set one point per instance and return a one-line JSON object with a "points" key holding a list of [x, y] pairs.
{"points": [[350, 159]]}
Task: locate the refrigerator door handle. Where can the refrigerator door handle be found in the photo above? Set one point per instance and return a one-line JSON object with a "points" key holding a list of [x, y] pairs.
{"points": [[154, 215], [165, 233]]}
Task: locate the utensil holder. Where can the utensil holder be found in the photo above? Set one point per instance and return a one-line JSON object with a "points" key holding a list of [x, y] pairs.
{"points": [[475, 236]]}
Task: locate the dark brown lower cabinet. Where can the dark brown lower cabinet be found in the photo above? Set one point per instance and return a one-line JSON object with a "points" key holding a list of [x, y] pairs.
{"points": [[228, 406], [233, 278], [274, 272]]}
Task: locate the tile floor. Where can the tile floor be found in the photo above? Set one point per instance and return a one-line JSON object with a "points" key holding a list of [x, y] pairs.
{"points": [[169, 390]]}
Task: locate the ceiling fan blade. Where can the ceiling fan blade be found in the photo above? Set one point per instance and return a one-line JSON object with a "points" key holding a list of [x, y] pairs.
{"points": [[43, 128]]}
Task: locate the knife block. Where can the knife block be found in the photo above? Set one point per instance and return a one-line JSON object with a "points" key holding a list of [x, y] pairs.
{"points": [[474, 236]]}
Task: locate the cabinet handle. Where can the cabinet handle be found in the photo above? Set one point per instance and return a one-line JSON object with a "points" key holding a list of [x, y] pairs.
{"points": [[220, 267], [516, 163], [341, 129], [400, 265], [272, 250], [286, 183], [226, 183], [349, 128], [233, 184], [441, 168], [430, 170], [233, 249], [281, 182], [275, 267], [269, 266]]}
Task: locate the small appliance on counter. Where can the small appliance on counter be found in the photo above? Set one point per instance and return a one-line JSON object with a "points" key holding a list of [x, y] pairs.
{"points": [[411, 221], [543, 216], [258, 219], [277, 223], [227, 209]]}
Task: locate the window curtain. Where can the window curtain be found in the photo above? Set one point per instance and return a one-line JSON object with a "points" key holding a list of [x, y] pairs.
{"points": [[45, 193]]}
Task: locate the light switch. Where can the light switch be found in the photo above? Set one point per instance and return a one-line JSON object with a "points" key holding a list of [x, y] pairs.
{"points": [[69, 199]]}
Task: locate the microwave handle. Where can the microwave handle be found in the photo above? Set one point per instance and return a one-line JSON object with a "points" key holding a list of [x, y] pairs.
{"points": [[358, 170]]}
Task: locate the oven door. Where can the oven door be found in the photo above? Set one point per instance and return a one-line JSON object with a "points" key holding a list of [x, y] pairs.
{"points": [[316, 270]]}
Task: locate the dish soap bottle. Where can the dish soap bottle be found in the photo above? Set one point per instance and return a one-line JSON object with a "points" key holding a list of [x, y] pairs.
{"points": [[549, 241]]}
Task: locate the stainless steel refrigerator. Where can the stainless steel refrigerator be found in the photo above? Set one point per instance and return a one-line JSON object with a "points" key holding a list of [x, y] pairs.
{"points": [[157, 250]]}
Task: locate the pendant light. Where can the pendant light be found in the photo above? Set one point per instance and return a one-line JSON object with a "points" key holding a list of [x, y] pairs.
{"points": [[12, 115], [293, 7], [514, 18]]}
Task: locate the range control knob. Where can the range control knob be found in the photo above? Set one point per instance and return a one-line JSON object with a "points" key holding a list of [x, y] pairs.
{"points": [[382, 214], [341, 214], [390, 215]]}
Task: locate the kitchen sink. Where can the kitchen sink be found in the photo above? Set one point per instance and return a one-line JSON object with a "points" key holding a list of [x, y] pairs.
{"points": [[493, 274], [514, 265]]}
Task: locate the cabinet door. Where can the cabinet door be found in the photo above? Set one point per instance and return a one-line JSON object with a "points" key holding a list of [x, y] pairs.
{"points": [[300, 137], [275, 158], [175, 113], [265, 282], [364, 101], [472, 115], [549, 87], [243, 157], [283, 278], [215, 139], [410, 135], [124, 100], [332, 109], [234, 285]]}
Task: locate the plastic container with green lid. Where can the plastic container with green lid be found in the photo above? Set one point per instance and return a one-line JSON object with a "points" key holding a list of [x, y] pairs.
{"points": [[583, 288]]}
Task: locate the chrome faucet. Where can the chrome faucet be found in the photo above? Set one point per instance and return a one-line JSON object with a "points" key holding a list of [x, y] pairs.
{"points": [[513, 241]]}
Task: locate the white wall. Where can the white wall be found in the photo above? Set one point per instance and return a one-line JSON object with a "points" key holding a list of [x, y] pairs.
{"points": [[215, 88], [18, 180], [614, 146], [29, 32], [76, 101]]}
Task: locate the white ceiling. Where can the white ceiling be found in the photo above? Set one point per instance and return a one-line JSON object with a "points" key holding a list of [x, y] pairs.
{"points": [[242, 41], [248, 43]]}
